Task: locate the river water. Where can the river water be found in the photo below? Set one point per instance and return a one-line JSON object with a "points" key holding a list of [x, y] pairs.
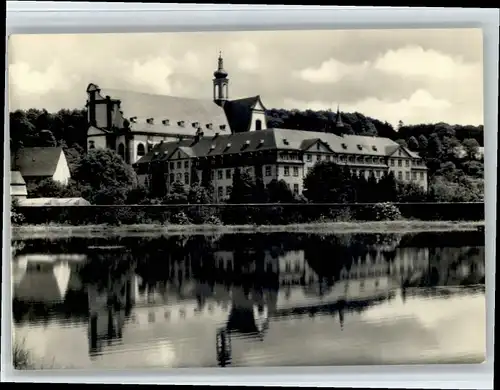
{"points": [[251, 300]]}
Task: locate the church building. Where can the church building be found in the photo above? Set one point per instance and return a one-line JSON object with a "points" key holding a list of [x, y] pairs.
{"points": [[180, 139], [131, 123]]}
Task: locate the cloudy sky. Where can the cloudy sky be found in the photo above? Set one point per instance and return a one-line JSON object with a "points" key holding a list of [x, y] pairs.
{"points": [[410, 75]]}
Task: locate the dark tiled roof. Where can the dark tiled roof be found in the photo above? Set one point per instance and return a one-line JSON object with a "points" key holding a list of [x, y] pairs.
{"points": [[306, 144], [41, 161], [144, 106], [271, 139], [239, 113]]}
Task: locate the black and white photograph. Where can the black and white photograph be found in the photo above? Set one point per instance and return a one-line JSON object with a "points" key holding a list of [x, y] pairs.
{"points": [[247, 199]]}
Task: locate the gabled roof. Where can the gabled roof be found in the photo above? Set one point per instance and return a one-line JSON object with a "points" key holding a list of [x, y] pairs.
{"points": [[391, 150], [306, 144], [144, 106], [239, 113], [38, 162]]}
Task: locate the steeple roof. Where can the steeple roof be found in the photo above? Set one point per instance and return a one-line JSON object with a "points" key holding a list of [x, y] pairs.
{"points": [[220, 73]]}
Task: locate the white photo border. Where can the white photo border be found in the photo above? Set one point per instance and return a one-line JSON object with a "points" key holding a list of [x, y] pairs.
{"points": [[29, 17]]}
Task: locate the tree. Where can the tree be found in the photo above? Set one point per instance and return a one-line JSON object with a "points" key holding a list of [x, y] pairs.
{"points": [[243, 187], [471, 147], [435, 148], [177, 194], [474, 168], [197, 194], [388, 187], [402, 142], [279, 192], [105, 174], [47, 138], [410, 192], [324, 183], [413, 144], [261, 193], [46, 188], [372, 189]]}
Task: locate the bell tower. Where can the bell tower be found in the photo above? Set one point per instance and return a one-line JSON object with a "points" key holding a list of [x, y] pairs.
{"points": [[221, 83]]}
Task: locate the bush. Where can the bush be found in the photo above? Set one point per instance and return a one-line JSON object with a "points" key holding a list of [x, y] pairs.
{"points": [[380, 212], [15, 216], [213, 220], [341, 215], [180, 218]]}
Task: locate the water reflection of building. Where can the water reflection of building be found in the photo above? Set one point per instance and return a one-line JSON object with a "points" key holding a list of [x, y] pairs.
{"points": [[42, 278]]}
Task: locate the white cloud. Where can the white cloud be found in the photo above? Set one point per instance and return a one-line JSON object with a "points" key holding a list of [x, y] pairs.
{"points": [[26, 80], [331, 71], [411, 61], [414, 77], [420, 107], [246, 55]]}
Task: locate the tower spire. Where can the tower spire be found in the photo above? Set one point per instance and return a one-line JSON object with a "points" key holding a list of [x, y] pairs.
{"points": [[221, 82], [338, 119]]}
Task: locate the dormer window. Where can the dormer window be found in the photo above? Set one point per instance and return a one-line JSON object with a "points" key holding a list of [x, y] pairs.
{"points": [[196, 124], [374, 148], [212, 147], [344, 146], [285, 141], [360, 147], [247, 142], [165, 122], [181, 123], [222, 127], [133, 119], [228, 145], [261, 142], [150, 121], [209, 126]]}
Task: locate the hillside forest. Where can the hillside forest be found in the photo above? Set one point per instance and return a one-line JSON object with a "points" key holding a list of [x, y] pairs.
{"points": [[451, 152]]}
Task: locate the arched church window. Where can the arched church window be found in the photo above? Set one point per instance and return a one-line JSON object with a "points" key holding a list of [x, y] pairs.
{"points": [[141, 150], [258, 124], [121, 150]]}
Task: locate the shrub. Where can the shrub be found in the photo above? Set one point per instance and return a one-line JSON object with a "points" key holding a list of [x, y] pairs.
{"points": [[15, 216], [180, 218], [213, 220], [380, 212], [341, 215]]}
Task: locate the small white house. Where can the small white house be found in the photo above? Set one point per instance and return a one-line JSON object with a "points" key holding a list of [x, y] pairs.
{"points": [[40, 163]]}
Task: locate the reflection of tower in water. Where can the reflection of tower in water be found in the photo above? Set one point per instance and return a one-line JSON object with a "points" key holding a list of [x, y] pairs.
{"points": [[110, 297]]}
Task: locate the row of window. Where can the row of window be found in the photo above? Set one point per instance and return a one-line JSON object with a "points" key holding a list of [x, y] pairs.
{"points": [[413, 175], [179, 164], [400, 163], [178, 177]]}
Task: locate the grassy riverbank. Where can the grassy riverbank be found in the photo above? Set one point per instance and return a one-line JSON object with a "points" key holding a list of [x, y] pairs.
{"points": [[405, 226]]}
